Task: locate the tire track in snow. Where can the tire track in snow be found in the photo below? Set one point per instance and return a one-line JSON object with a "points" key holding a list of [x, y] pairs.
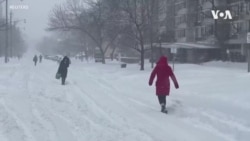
{"points": [[11, 126], [136, 116], [82, 116], [180, 115], [26, 113], [218, 123], [53, 127], [108, 119], [216, 115], [15, 107]]}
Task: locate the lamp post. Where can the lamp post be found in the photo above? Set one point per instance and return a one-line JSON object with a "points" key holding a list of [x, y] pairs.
{"points": [[6, 34], [11, 30], [248, 52]]}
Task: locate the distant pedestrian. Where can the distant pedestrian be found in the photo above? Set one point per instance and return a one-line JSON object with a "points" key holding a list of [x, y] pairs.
{"points": [[19, 56], [63, 68], [163, 71], [35, 59], [40, 58]]}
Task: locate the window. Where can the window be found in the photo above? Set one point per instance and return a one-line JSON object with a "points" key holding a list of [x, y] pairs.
{"points": [[233, 1], [235, 10], [208, 14], [181, 5], [181, 19], [247, 7], [203, 31], [200, 17], [248, 25], [209, 30], [198, 32], [181, 33], [236, 28], [241, 7]]}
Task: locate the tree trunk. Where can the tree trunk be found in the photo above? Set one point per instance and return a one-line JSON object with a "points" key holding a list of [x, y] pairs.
{"points": [[142, 48], [151, 56], [151, 44], [103, 59], [112, 53], [142, 52], [112, 56], [103, 56], [86, 55], [142, 59]]}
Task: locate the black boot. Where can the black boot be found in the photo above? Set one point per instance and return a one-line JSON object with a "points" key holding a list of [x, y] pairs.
{"points": [[63, 80], [163, 108]]}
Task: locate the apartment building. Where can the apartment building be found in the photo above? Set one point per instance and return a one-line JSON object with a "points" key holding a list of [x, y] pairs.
{"points": [[191, 22], [194, 30], [239, 27], [204, 26], [2, 21], [165, 27], [1, 11]]}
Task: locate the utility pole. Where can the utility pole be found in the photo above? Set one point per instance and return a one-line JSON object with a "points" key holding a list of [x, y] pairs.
{"points": [[248, 57], [248, 52], [11, 34], [6, 34]]}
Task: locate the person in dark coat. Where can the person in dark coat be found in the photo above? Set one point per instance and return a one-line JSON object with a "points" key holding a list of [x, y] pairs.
{"points": [[40, 58], [35, 59], [63, 68], [163, 71]]}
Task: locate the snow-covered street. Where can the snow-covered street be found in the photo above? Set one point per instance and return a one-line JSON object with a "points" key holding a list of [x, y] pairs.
{"points": [[105, 102]]}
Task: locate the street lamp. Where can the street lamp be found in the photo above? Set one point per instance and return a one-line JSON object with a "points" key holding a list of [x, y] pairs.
{"points": [[6, 30], [6, 34]]}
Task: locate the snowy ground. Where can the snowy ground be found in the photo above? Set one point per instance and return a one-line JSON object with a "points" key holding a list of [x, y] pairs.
{"points": [[105, 102]]}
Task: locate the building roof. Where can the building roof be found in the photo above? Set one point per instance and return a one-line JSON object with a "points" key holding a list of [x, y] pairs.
{"points": [[186, 45]]}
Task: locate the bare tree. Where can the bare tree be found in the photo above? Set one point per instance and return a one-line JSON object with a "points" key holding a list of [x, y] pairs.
{"points": [[137, 16], [93, 20], [152, 14]]}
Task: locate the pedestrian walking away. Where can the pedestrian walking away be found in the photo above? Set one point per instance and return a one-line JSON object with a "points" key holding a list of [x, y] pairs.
{"points": [[40, 58], [63, 68], [163, 71], [35, 59]]}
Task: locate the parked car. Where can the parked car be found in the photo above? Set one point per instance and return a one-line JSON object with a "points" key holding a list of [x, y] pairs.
{"points": [[98, 56]]}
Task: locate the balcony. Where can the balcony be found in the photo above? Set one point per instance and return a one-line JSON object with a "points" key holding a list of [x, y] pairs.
{"points": [[237, 38], [199, 38], [198, 23]]}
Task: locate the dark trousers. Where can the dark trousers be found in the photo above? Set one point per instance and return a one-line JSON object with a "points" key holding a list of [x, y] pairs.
{"points": [[162, 99], [63, 80]]}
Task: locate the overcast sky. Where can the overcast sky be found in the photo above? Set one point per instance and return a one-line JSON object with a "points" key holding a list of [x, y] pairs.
{"points": [[36, 16]]}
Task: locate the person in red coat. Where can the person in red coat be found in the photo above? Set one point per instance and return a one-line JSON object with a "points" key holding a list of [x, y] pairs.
{"points": [[163, 71]]}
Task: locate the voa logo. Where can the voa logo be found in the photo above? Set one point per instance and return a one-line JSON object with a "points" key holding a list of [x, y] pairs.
{"points": [[217, 14]]}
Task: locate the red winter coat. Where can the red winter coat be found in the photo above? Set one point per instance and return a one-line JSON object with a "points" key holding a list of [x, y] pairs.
{"points": [[163, 71]]}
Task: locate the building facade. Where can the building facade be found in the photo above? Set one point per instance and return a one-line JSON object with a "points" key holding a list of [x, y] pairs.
{"points": [[192, 21], [1, 31], [239, 27]]}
